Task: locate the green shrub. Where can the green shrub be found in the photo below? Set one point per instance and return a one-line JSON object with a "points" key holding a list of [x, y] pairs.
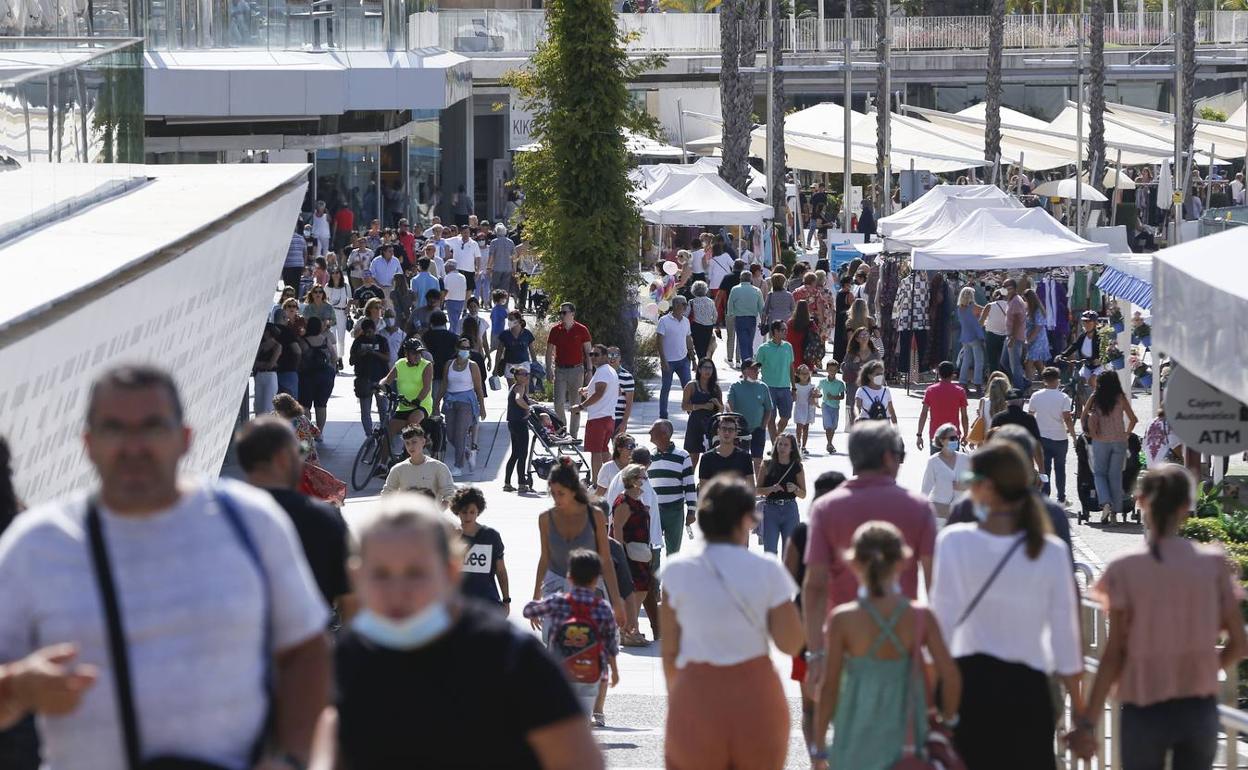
{"points": [[1203, 530], [1235, 523]]}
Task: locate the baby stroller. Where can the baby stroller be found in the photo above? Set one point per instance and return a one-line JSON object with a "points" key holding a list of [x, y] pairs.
{"points": [[1086, 486], [551, 442], [712, 437], [541, 302]]}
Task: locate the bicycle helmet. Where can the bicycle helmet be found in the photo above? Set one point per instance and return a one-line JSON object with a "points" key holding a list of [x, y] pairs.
{"points": [[1089, 315]]}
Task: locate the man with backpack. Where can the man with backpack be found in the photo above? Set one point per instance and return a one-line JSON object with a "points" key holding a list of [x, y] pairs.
{"points": [[583, 632]]}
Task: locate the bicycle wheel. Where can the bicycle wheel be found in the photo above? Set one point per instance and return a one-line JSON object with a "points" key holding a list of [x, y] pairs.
{"points": [[365, 465]]}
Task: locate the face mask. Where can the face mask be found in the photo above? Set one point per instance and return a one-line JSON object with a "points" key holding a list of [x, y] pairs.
{"points": [[307, 231], [980, 511], [463, 354], [952, 444], [407, 634], [878, 380]]}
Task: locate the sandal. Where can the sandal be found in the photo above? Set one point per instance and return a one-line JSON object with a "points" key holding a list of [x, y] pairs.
{"points": [[599, 719], [634, 640]]}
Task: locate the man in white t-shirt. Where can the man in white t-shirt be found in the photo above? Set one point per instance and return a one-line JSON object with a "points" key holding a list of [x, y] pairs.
{"points": [[212, 589], [1237, 189], [467, 255], [598, 404], [675, 349], [1055, 419], [718, 268]]}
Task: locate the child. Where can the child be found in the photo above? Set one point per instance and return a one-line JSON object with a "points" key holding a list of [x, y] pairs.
{"points": [[583, 631], [498, 316], [803, 391], [832, 391], [483, 560], [873, 641]]}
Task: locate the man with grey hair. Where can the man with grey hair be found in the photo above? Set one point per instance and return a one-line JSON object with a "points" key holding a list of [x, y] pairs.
{"points": [[675, 338], [501, 263], [744, 306], [671, 473], [873, 494]]}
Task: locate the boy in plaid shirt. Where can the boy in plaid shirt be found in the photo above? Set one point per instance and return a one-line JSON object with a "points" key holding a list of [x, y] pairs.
{"points": [[584, 571]]}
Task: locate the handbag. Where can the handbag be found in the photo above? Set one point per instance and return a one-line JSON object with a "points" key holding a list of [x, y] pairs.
{"points": [[741, 606], [120, 658], [978, 431], [938, 751], [639, 551]]}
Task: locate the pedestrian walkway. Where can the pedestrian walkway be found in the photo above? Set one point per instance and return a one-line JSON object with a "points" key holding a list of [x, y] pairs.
{"points": [[636, 709]]}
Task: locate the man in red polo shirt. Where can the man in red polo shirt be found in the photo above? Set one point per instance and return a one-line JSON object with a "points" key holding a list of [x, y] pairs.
{"points": [[876, 453], [945, 402], [407, 239], [568, 346]]}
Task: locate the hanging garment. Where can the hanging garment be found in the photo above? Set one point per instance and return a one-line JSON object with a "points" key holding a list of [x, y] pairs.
{"points": [[910, 311]]}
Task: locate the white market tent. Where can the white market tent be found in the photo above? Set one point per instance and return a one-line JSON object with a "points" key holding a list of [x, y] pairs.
{"points": [[1068, 188], [1008, 239], [637, 145], [1228, 135], [931, 201], [705, 200], [1200, 300], [757, 188], [951, 213]]}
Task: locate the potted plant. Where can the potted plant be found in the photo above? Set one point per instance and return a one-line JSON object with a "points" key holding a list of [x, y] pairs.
{"points": [[1114, 358], [1115, 319]]}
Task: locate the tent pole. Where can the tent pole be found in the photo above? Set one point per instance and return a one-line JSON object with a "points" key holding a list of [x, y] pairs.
{"points": [[848, 129], [1212, 159], [1113, 210], [680, 127], [1021, 156]]}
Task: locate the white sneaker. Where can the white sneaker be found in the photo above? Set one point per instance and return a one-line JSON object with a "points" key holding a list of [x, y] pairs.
{"points": [[456, 470], [472, 461]]}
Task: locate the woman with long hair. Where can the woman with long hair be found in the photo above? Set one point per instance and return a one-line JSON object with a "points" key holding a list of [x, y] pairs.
{"points": [[317, 371], [993, 401], [1103, 424], [1169, 601], [702, 321], [339, 295], [874, 641], [722, 608], [702, 399], [518, 406], [571, 523], [860, 318], [799, 329], [1003, 594], [461, 400], [372, 310], [782, 480], [971, 337], [873, 393], [1037, 354], [859, 353]]}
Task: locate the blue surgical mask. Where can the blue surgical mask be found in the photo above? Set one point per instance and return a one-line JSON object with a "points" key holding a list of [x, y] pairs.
{"points": [[462, 353], [407, 634], [981, 511], [952, 444]]}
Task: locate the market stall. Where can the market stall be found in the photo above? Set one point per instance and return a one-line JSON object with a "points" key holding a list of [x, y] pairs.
{"points": [[941, 221], [1008, 239], [922, 210], [705, 200]]}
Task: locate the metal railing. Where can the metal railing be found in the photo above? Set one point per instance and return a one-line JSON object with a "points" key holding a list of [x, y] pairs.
{"points": [[519, 31], [1234, 722]]}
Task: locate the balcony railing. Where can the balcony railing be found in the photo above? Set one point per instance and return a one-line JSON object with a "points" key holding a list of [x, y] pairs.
{"points": [[519, 31]]}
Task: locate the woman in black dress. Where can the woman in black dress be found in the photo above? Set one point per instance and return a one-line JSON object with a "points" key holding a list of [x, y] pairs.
{"points": [[702, 400]]}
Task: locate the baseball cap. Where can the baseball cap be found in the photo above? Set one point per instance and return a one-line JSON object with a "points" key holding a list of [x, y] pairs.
{"points": [[749, 363], [1014, 394], [1089, 315]]}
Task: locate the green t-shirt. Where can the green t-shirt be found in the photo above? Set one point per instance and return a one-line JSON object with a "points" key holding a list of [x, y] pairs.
{"points": [[833, 391], [750, 399], [776, 362]]}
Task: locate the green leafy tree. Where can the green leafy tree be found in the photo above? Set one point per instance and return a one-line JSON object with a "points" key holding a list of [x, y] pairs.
{"points": [[577, 212], [1212, 113]]}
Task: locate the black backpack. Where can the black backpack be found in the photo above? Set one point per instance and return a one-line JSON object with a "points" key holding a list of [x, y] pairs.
{"points": [[876, 410], [318, 358]]}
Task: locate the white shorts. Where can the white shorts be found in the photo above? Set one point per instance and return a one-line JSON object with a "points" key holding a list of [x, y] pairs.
{"points": [[1087, 373]]}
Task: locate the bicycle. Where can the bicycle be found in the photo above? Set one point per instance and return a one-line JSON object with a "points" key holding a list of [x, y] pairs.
{"points": [[1075, 386], [374, 457]]}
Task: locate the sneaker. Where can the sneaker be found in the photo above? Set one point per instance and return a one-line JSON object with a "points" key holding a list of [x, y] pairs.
{"points": [[805, 452], [472, 460], [508, 488], [599, 719], [456, 470], [831, 449]]}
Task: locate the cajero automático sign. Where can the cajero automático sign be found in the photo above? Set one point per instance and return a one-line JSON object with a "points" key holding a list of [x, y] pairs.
{"points": [[1206, 419]]}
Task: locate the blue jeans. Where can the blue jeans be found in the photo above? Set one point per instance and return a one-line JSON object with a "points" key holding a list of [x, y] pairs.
{"points": [[455, 313], [779, 519], [288, 382], [1012, 362], [266, 389], [745, 325], [1055, 464], [366, 411], [972, 362], [1108, 459], [1188, 727], [680, 369]]}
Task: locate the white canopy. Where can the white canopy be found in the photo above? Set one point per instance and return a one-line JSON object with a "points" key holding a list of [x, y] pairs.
{"points": [[637, 145], [705, 200], [931, 201], [1200, 300], [951, 213], [757, 188], [1113, 178], [1008, 239], [1067, 188], [1237, 118]]}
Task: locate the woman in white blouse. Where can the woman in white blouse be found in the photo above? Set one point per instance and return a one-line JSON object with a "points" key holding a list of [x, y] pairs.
{"points": [[1005, 599], [944, 469], [721, 609]]}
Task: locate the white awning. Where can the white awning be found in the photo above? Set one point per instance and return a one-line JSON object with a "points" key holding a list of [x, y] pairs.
{"points": [[931, 201], [705, 200], [1009, 239]]}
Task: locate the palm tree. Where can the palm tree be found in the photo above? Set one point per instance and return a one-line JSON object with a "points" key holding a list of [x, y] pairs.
{"points": [[1096, 96], [882, 101], [775, 121], [992, 83], [738, 27], [1188, 9]]}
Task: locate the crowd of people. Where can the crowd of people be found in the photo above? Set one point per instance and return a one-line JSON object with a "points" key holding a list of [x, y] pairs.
{"points": [[158, 621]]}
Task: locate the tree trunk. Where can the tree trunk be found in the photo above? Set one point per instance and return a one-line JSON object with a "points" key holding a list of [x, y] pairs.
{"points": [[992, 84], [735, 126], [882, 102], [1096, 98], [1188, 9], [775, 121]]}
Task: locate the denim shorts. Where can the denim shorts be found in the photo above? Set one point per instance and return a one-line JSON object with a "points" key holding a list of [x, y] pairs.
{"points": [[831, 416], [782, 400], [758, 442]]}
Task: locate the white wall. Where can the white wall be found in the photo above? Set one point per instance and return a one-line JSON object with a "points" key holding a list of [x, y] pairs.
{"points": [[200, 315], [703, 100]]}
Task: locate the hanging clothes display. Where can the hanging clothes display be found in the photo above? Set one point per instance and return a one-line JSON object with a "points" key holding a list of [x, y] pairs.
{"points": [[938, 323], [910, 314], [886, 301]]}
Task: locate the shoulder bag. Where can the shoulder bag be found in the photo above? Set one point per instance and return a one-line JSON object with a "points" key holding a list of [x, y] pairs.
{"points": [[742, 607], [966, 613], [938, 751], [120, 658]]}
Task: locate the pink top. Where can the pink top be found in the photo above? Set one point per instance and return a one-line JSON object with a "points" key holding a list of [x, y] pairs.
{"points": [[1107, 427], [837, 515], [1175, 608]]}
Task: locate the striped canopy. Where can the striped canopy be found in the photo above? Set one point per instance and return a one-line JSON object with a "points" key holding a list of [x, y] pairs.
{"points": [[1117, 283]]}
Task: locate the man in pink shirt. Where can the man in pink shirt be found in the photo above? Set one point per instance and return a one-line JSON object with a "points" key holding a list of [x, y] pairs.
{"points": [[1015, 334], [876, 453], [945, 402]]}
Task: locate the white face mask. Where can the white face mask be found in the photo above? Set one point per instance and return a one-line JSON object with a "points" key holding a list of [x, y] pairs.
{"points": [[407, 634], [878, 380]]}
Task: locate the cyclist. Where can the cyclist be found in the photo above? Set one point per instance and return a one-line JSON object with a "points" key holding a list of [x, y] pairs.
{"points": [[1086, 349], [413, 375]]}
